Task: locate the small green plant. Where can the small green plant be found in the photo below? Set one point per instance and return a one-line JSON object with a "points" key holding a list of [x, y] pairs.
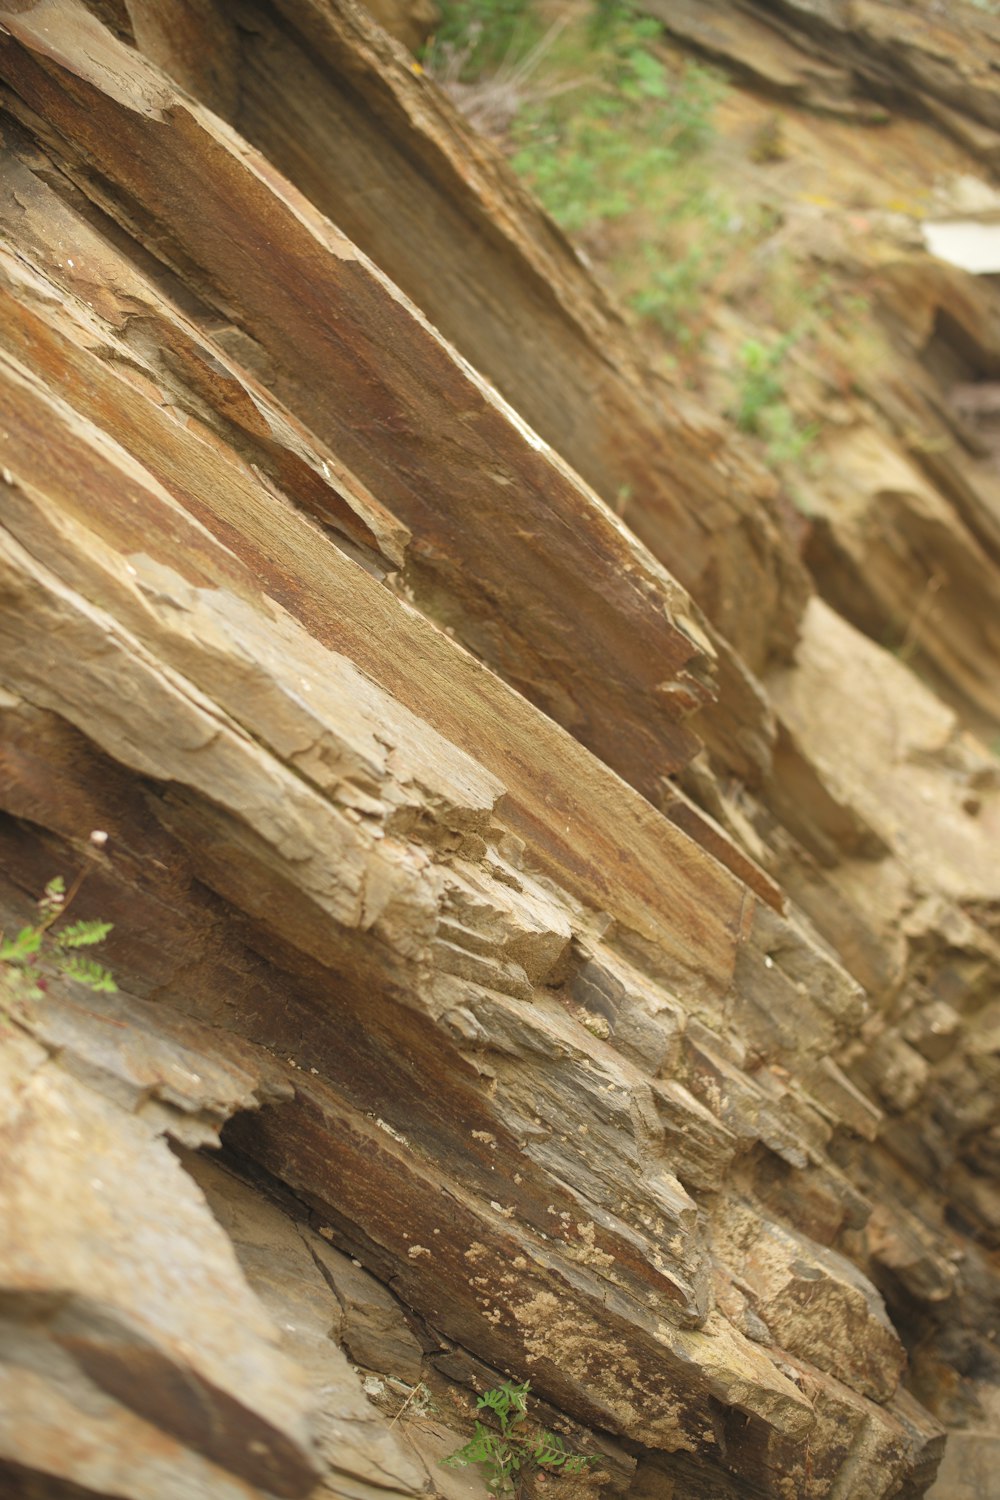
{"points": [[38, 953], [762, 383], [788, 440], [761, 407], [674, 271], [506, 1451], [597, 154], [478, 37]]}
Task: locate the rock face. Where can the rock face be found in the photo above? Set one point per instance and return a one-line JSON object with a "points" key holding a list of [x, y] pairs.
{"points": [[859, 59], [546, 946]]}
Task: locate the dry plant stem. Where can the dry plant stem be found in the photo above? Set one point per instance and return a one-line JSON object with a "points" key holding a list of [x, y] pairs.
{"points": [[492, 101], [404, 1405]]}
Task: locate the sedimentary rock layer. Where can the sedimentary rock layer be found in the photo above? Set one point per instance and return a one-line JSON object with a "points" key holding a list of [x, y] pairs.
{"points": [[534, 1042]]}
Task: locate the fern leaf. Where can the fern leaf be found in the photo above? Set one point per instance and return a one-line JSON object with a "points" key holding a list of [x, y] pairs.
{"points": [[18, 950], [484, 1447], [550, 1449], [51, 903], [83, 934], [85, 971], [578, 1463]]}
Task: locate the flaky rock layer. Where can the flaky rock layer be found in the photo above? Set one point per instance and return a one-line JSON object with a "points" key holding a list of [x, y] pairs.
{"points": [[546, 947]]}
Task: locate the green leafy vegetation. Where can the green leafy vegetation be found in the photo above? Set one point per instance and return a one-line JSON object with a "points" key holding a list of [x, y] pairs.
{"points": [[511, 1447], [601, 151], [601, 116], [38, 953], [610, 130], [483, 35], [665, 284], [761, 406], [762, 383], [650, 165]]}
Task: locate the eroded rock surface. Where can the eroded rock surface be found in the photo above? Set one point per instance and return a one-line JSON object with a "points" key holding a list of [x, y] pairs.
{"points": [[547, 946]]}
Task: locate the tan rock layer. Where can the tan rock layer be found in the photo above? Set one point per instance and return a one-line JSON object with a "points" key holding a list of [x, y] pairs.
{"points": [[299, 279], [571, 1078]]}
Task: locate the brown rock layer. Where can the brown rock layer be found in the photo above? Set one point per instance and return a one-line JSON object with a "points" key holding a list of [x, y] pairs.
{"points": [[537, 1044]]}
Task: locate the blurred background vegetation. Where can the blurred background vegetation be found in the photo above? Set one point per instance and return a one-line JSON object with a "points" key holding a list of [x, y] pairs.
{"points": [[628, 144]]}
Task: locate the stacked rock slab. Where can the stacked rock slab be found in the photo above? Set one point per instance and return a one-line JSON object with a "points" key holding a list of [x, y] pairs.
{"points": [[535, 1042]]}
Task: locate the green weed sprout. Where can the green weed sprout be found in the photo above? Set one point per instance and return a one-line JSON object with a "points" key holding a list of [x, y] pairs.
{"points": [[38, 953], [762, 407], [506, 1450]]}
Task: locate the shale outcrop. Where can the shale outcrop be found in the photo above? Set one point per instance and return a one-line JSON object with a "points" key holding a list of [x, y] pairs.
{"points": [[548, 945]]}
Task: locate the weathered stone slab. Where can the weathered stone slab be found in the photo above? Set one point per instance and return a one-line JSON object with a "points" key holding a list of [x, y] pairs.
{"points": [[305, 281], [159, 1317]]}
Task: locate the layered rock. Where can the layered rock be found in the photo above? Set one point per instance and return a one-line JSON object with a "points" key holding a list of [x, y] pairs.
{"points": [[535, 1042], [859, 59]]}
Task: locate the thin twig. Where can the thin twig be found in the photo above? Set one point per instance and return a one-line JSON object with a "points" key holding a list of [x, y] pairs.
{"points": [[405, 1405]]}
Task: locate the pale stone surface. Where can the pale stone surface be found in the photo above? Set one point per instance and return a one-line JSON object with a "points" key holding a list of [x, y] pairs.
{"points": [[151, 1309], [969, 244]]}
